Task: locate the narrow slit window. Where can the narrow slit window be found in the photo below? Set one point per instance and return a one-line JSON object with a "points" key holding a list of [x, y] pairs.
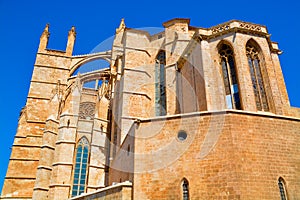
{"points": [[80, 170], [229, 77], [160, 85], [282, 190], [256, 78], [185, 190]]}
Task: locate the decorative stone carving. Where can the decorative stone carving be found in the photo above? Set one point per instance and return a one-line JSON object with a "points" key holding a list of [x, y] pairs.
{"points": [[122, 26], [250, 26], [220, 28], [235, 24], [87, 110]]}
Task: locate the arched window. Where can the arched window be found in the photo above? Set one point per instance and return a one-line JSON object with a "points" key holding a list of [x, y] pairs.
{"points": [[160, 85], [80, 171], [256, 77], [229, 77], [185, 190], [282, 189]]}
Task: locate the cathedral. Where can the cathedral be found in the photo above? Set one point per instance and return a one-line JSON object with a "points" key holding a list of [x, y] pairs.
{"points": [[187, 113]]}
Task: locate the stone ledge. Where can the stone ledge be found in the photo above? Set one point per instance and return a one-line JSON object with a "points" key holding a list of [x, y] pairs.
{"points": [[15, 177], [137, 93], [23, 145], [62, 163], [64, 126], [95, 187], [59, 185], [47, 82], [50, 118], [118, 185], [56, 55], [48, 131], [53, 67], [48, 147], [35, 121], [203, 113], [65, 142], [98, 167], [40, 98], [44, 167], [40, 188], [19, 197], [24, 159]]}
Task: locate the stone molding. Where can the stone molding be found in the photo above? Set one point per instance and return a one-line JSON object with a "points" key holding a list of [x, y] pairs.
{"points": [[117, 185]]}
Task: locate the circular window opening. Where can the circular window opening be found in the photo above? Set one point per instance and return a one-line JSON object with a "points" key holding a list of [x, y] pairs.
{"points": [[182, 135]]}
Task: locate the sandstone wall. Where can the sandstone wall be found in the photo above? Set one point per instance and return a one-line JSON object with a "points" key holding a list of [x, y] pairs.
{"points": [[230, 155]]}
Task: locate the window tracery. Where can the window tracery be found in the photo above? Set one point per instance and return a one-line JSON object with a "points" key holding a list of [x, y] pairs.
{"points": [[229, 77], [87, 110], [256, 78], [80, 171]]}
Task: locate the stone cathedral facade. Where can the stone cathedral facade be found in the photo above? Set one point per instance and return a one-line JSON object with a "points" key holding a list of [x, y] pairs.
{"points": [[186, 113]]}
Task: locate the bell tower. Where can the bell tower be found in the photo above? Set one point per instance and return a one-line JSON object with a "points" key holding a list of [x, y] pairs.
{"points": [[51, 70]]}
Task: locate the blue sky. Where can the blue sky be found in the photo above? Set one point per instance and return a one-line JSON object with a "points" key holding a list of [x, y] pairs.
{"points": [[22, 22]]}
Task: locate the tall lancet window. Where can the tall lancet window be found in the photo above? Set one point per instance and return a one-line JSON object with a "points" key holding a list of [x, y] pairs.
{"points": [[80, 171], [282, 189], [256, 77], [185, 190], [160, 84], [229, 77]]}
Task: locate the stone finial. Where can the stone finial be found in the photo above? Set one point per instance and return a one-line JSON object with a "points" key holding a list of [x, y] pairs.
{"points": [[71, 41], [122, 26], [47, 27], [44, 39], [72, 31], [46, 31]]}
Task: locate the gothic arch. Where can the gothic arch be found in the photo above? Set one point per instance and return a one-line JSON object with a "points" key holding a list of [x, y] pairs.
{"points": [[185, 191], [228, 70], [227, 42], [282, 188], [81, 60], [259, 76], [84, 141], [254, 43], [81, 161]]}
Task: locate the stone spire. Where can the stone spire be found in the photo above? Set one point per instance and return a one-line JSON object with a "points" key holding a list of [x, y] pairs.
{"points": [[122, 26], [44, 39], [71, 41]]}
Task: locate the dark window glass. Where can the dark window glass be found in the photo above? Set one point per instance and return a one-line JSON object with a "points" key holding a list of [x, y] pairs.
{"points": [[282, 189], [182, 135], [256, 78], [225, 76], [160, 87], [80, 167], [229, 77], [185, 190]]}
